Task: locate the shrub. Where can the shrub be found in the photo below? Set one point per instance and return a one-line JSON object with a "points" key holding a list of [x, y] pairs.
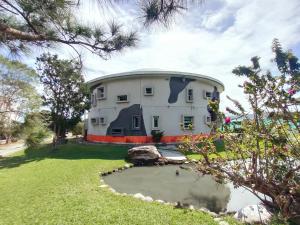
{"points": [[35, 138], [34, 130], [78, 129], [157, 135], [268, 146]]}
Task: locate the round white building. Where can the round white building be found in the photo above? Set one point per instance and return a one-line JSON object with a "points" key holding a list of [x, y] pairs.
{"points": [[127, 107]]}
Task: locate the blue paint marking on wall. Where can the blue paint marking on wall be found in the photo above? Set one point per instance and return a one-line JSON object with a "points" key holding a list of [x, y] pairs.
{"points": [[124, 123], [177, 84]]}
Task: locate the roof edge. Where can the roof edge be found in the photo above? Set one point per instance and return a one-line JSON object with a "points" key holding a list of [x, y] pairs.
{"points": [[152, 72]]}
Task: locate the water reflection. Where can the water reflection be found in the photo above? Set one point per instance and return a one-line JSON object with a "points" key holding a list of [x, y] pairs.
{"points": [[187, 188]]}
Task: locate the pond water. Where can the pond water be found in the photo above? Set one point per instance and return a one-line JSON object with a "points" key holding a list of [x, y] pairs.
{"points": [[189, 187]]}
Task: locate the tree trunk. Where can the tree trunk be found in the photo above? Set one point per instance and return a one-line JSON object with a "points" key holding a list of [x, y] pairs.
{"points": [[54, 140], [8, 139]]}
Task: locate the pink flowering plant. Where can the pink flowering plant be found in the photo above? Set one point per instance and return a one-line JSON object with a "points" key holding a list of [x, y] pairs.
{"points": [[266, 149]]}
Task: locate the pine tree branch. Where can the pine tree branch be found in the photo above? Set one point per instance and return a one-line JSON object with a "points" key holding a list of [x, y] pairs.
{"points": [[14, 34], [23, 15], [5, 8]]}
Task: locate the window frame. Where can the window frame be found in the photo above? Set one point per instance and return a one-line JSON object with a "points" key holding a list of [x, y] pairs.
{"points": [[122, 101], [205, 95], [183, 122], [104, 120], [93, 100], [188, 95], [206, 121], [96, 121], [121, 133], [139, 122], [104, 92], [153, 124], [148, 94]]}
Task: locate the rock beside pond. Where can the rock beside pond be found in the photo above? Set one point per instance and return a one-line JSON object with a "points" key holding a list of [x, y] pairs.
{"points": [[143, 155], [213, 214], [142, 197], [148, 199], [139, 196], [127, 166], [173, 156], [159, 201], [253, 214]]}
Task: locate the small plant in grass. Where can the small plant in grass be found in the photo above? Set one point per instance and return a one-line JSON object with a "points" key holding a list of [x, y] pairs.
{"points": [[157, 135], [268, 144]]}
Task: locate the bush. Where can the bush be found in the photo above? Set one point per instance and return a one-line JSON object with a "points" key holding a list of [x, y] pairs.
{"points": [[34, 130], [268, 146], [157, 135], [35, 138], [78, 129]]}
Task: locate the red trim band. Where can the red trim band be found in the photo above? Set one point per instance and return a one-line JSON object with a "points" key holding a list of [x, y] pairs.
{"points": [[133, 139]]}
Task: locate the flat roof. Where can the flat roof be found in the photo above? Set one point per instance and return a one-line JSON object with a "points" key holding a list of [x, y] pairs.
{"points": [[156, 73]]}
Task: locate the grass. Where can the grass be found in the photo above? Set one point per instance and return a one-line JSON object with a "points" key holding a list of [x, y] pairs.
{"points": [[220, 146], [62, 187], [197, 156]]}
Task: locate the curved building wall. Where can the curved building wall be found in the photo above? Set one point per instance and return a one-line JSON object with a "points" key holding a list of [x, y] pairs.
{"points": [[133, 120]]}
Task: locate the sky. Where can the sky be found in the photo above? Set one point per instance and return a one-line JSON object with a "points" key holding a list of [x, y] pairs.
{"points": [[211, 38]]}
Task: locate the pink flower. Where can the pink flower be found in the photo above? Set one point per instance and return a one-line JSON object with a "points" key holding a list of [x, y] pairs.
{"points": [[292, 91], [227, 120]]}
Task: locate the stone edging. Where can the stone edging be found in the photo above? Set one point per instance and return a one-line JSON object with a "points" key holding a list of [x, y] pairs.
{"points": [[217, 217]]}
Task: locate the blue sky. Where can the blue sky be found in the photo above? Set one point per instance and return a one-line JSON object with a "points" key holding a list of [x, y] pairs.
{"points": [[210, 39]]}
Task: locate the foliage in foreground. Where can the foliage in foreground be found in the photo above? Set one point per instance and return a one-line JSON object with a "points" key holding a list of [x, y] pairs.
{"points": [[268, 145], [24, 24]]}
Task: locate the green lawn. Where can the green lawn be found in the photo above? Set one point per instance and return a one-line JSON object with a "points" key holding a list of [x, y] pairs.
{"points": [[220, 146], [62, 187]]}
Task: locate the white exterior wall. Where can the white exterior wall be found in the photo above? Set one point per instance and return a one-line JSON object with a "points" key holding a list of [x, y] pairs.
{"points": [[170, 115]]}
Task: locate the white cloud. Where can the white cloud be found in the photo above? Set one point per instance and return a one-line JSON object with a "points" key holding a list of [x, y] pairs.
{"points": [[210, 39]]}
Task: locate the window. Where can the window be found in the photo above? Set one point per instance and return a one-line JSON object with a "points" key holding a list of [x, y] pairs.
{"points": [[148, 91], [189, 95], [122, 98], [136, 122], [207, 95], [188, 122], [102, 120], [95, 121], [207, 119], [117, 132], [93, 100], [101, 93], [155, 122]]}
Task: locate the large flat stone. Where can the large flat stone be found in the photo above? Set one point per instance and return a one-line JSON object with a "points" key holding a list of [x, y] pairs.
{"points": [[173, 156], [143, 154]]}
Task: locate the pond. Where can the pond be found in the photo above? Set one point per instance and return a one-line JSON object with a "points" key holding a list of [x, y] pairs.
{"points": [[189, 187]]}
